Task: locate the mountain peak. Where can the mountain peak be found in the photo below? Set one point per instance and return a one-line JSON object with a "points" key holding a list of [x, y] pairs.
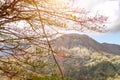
{"points": [[76, 35], [69, 41], [75, 40]]}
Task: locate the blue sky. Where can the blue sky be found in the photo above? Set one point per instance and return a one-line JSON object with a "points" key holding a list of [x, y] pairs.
{"points": [[113, 38]]}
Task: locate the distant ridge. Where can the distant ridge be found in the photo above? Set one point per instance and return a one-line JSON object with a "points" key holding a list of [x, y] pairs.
{"points": [[83, 41]]}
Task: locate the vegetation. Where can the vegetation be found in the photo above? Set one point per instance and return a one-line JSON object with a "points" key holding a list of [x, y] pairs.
{"points": [[27, 23], [90, 66]]}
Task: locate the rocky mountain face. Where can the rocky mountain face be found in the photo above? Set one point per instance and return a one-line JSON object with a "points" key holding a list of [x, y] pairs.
{"points": [[115, 49], [69, 41], [83, 58]]}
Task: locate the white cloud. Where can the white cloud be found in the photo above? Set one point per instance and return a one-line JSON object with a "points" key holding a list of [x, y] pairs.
{"points": [[110, 8]]}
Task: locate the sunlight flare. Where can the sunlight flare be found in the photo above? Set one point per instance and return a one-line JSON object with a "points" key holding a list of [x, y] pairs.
{"points": [[59, 3]]}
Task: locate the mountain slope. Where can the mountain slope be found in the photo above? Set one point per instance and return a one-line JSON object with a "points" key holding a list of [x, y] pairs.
{"points": [[83, 41], [83, 58], [113, 48]]}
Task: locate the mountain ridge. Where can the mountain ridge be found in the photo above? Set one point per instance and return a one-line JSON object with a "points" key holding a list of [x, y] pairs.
{"points": [[84, 41]]}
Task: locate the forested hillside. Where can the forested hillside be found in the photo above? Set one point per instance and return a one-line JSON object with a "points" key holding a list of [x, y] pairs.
{"points": [[83, 58]]}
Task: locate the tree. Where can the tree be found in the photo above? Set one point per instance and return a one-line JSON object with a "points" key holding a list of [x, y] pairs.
{"points": [[41, 20]]}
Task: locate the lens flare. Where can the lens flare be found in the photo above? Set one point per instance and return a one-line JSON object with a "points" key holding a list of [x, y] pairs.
{"points": [[59, 3]]}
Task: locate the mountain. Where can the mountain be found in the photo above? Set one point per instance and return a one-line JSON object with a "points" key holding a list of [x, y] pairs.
{"points": [[114, 48], [79, 57], [83, 41], [83, 58]]}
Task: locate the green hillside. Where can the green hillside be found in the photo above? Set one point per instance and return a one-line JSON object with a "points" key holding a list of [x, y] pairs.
{"points": [[90, 66]]}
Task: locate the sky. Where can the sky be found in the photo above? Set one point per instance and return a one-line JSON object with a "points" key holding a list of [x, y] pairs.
{"points": [[113, 38], [110, 8]]}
